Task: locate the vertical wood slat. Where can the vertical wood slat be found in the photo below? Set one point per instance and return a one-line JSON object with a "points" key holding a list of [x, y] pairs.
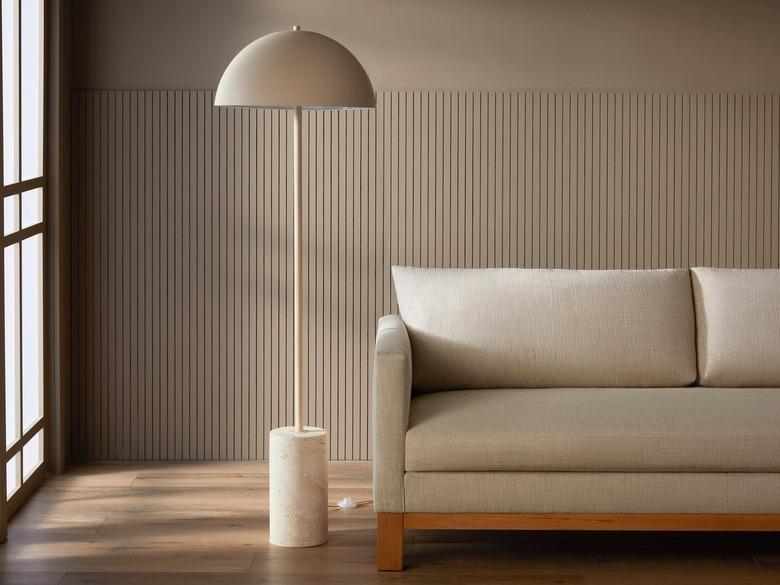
{"points": [[183, 259]]}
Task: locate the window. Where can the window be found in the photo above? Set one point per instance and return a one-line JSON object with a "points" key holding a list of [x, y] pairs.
{"points": [[23, 190]]}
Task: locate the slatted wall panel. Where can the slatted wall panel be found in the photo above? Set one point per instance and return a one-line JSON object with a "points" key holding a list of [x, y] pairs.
{"points": [[182, 268]]}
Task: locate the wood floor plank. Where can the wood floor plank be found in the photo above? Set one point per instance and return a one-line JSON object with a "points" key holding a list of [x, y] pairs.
{"points": [[77, 578], [87, 556], [51, 527], [93, 476], [30, 578], [755, 578], [769, 561], [325, 579]]}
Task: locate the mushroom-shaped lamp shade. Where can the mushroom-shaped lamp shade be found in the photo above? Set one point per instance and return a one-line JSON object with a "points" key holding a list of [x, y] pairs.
{"points": [[295, 68]]}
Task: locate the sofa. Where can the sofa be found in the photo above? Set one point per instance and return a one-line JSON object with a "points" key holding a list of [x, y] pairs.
{"points": [[528, 399]]}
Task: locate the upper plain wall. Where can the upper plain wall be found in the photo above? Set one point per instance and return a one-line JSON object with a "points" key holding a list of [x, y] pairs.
{"points": [[695, 45]]}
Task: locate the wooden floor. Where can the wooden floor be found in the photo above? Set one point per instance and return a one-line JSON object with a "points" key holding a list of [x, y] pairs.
{"points": [[201, 524]]}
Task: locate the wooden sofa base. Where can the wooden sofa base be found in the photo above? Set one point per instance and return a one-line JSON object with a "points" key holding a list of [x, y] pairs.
{"points": [[390, 527]]}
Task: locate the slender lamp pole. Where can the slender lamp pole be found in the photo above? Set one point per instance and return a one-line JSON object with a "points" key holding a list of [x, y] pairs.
{"points": [[298, 269]]}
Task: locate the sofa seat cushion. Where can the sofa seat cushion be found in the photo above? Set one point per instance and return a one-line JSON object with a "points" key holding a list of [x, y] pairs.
{"points": [[596, 429], [519, 328], [738, 326], [591, 492]]}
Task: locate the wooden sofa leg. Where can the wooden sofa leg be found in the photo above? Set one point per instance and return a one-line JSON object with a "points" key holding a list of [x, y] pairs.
{"points": [[390, 541]]}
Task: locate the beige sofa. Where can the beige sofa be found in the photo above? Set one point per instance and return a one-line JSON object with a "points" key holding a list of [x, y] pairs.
{"points": [[583, 400]]}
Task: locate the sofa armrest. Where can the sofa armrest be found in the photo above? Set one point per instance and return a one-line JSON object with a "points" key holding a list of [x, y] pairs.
{"points": [[392, 388]]}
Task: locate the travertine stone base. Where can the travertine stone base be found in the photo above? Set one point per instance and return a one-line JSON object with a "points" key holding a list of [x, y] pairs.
{"points": [[298, 504]]}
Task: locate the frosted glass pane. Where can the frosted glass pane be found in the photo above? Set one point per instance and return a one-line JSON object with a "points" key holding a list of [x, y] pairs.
{"points": [[12, 389], [32, 207], [32, 455], [32, 331], [10, 214], [10, 49], [13, 475], [32, 88]]}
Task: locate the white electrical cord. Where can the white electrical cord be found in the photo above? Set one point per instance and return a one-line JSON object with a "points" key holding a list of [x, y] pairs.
{"points": [[347, 503]]}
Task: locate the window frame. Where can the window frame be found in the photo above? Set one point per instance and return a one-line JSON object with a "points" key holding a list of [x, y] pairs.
{"points": [[9, 505]]}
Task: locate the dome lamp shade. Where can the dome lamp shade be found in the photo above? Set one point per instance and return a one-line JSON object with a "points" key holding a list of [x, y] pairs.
{"points": [[295, 68]]}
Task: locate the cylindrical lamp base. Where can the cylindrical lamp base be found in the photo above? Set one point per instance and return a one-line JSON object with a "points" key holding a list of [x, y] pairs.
{"points": [[298, 502]]}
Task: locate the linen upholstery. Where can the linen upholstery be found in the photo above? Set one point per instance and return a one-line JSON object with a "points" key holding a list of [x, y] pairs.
{"points": [[738, 326], [494, 328], [592, 492], [392, 387], [596, 429]]}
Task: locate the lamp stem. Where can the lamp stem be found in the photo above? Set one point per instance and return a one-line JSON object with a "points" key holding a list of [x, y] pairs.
{"points": [[298, 269]]}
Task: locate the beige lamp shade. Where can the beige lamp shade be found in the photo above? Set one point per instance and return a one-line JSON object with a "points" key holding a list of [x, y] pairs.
{"points": [[295, 68]]}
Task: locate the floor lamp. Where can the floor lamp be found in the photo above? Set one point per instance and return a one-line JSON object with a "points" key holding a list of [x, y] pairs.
{"points": [[294, 70]]}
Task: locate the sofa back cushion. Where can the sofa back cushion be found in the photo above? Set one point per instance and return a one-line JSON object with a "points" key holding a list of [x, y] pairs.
{"points": [[738, 326], [504, 328]]}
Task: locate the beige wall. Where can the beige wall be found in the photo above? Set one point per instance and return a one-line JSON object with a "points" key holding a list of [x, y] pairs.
{"points": [[182, 276], [183, 348], [705, 45]]}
